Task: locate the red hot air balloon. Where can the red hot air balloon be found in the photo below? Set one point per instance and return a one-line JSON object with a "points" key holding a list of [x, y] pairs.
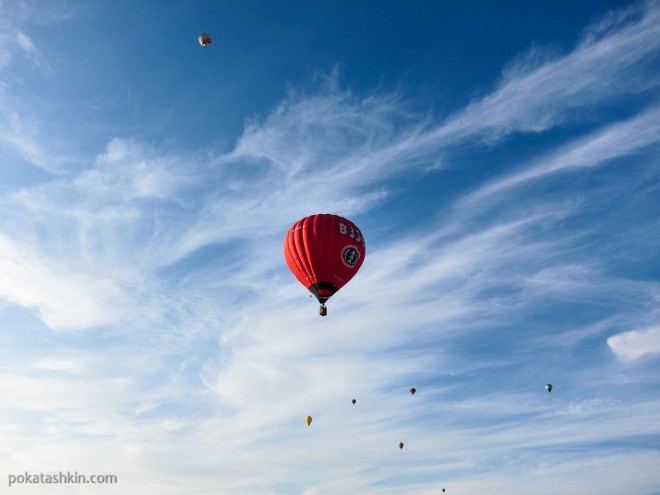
{"points": [[324, 252]]}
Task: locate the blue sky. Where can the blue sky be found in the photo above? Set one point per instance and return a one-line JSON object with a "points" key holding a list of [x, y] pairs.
{"points": [[501, 159]]}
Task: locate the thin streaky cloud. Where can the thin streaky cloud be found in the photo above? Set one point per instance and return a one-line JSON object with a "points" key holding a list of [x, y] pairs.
{"points": [[598, 149], [31, 50], [535, 98]]}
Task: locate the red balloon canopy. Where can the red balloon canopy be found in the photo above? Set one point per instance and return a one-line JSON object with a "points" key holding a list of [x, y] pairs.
{"points": [[324, 252]]}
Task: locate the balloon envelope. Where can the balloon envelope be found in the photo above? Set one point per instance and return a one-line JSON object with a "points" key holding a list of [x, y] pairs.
{"points": [[205, 39], [309, 420], [324, 252], [401, 445], [413, 390], [548, 387]]}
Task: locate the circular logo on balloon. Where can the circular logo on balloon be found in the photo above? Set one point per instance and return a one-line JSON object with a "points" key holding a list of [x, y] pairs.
{"points": [[350, 256]]}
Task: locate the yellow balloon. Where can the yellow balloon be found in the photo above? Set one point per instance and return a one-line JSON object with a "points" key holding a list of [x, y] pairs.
{"points": [[309, 421]]}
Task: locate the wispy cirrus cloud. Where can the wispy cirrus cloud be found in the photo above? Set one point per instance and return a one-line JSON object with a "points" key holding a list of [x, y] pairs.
{"points": [[30, 49], [598, 149], [616, 57], [64, 300], [19, 124]]}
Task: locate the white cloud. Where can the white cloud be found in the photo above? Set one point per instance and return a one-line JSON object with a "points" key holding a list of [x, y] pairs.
{"points": [[21, 129], [25, 43], [597, 149], [63, 299], [128, 172], [61, 364], [635, 344], [31, 50], [21, 135], [536, 97]]}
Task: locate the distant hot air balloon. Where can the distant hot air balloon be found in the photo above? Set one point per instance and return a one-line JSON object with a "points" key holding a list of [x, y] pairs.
{"points": [[309, 421], [413, 390], [401, 445], [548, 387], [205, 39], [354, 401], [324, 252]]}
